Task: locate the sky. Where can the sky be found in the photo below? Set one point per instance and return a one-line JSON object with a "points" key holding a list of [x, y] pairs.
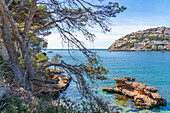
{"points": [[139, 15]]}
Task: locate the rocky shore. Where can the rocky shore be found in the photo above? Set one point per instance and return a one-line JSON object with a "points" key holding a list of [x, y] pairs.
{"points": [[11, 94], [144, 96], [55, 85]]}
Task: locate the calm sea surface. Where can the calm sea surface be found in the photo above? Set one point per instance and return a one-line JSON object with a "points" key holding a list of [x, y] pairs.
{"points": [[151, 68]]}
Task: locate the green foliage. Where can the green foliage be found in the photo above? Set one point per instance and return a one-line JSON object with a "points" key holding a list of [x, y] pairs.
{"points": [[56, 59], [68, 18], [94, 70], [15, 106], [37, 44], [38, 60], [21, 62], [44, 105], [4, 69], [158, 38], [125, 44], [149, 47]]}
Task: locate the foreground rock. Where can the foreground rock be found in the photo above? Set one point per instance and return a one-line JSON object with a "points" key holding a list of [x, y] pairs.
{"points": [[143, 95], [54, 86], [4, 87]]}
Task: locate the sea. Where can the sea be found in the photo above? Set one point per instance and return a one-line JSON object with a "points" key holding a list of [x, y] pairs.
{"points": [[151, 68]]}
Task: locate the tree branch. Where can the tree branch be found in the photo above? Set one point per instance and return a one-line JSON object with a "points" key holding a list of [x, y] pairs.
{"points": [[9, 3], [30, 16], [48, 65], [4, 10]]}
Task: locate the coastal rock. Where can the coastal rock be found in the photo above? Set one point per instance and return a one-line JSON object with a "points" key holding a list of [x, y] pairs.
{"points": [[53, 86], [4, 87], [129, 79], [112, 90], [129, 93], [156, 96], [120, 80], [144, 100], [55, 71], [151, 89], [4, 90], [143, 95]]}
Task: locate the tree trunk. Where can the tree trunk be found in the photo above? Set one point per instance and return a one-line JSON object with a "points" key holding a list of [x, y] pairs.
{"points": [[28, 63], [14, 63]]}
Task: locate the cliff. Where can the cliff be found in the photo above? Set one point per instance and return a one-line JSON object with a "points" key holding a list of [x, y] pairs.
{"points": [[146, 40]]}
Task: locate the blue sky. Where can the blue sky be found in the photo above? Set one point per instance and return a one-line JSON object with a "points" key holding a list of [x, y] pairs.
{"points": [[139, 15]]}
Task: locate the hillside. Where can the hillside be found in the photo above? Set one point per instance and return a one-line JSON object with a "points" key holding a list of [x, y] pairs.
{"points": [[152, 39]]}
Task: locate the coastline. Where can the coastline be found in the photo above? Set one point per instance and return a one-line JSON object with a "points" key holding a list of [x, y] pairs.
{"points": [[138, 51]]}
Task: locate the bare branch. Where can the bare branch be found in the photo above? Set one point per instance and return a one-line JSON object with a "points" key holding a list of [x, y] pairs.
{"points": [[98, 6], [9, 3], [48, 65]]}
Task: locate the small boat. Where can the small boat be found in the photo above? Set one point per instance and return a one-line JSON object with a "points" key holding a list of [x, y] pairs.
{"points": [[49, 51]]}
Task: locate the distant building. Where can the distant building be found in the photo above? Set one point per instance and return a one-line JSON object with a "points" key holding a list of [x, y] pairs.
{"points": [[146, 31], [133, 36], [146, 39], [161, 35], [167, 31], [168, 47], [156, 35], [145, 35], [165, 41], [153, 32], [160, 47], [160, 32], [161, 28], [134, 40], [138, 45], [153, 46], [125, 38], [157, 42], [124, 42], [166, 35]]}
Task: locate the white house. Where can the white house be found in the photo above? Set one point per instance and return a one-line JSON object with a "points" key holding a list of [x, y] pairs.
{"points": [[138, 45], [133, 40], [165, 41], [161, 47], [160, 32], [147, 39], [133, 36], [153, 46]]}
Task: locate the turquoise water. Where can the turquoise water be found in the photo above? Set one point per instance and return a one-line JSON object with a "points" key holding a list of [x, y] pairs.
{"points": [[151, 68]]}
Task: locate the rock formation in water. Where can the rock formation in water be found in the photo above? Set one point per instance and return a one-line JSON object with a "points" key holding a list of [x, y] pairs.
{"points": [[143, 95]]}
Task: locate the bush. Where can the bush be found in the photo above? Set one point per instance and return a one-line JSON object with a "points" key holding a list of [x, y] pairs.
{"points": [[16, 104], [4, 69]]}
